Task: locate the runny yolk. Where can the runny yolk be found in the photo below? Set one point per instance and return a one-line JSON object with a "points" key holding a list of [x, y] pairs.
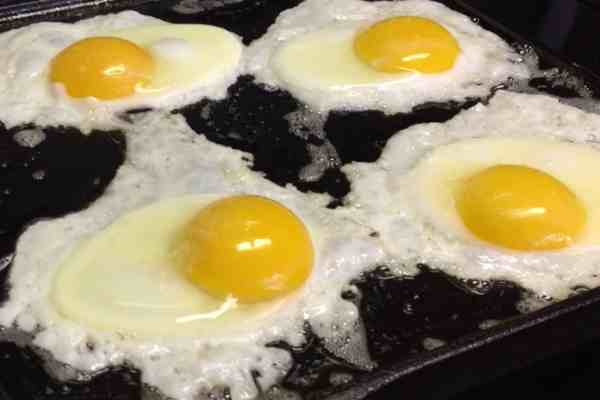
{"points": [[249, 247], [403, 44], [106, 68], [520, 208]]}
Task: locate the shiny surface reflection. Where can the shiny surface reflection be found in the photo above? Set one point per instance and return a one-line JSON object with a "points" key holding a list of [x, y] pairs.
{"points": [[567, 27], [570, 29]]}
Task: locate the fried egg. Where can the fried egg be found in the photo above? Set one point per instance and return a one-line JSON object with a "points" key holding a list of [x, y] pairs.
{"points": [[83, 73], [502, 191], [169, 270], [219, 261], [387, 55]]}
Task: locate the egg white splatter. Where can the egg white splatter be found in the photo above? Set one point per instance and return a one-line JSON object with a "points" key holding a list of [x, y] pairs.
{"points": [[166, 159], [28, 96], [387, 193], [484, 62]]}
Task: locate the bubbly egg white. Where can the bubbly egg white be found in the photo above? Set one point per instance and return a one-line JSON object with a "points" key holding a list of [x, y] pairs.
{"points": [[485, 61], [166, 159], [386, 195], [26, 95]]}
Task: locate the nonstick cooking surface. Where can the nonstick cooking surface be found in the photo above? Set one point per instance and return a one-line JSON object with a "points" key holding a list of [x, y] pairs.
{"points": [[418, 328]]}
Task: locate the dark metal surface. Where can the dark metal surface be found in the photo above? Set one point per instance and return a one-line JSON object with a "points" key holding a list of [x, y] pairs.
{"points": [[399, 313]]}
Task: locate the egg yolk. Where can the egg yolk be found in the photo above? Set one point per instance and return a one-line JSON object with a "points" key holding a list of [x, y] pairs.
{"points": [[102, 67], [403, 44], [520, 208], [249, 247]]}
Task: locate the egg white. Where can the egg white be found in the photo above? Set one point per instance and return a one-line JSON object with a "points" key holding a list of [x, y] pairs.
{"points": [[389, 195], [325, 31], [27, 96], [165, 160]]}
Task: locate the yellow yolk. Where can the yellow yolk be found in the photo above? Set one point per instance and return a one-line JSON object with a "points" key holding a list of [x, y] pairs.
{"points": [[403, 44], [520, 208], [249, 247], [102, 67]]}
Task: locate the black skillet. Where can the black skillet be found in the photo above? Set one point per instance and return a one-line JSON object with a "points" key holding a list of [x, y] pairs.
{"points": [[399, 313]]}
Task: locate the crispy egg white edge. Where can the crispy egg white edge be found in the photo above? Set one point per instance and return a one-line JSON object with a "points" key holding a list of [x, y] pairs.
{"points": [[411, 237], [161, 147], [27, 97], [472, 76]]}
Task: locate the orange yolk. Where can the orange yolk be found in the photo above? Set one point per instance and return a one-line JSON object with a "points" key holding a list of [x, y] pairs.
{"points": [[520, 208], [403, 44], [248, 247], [106, 68]]}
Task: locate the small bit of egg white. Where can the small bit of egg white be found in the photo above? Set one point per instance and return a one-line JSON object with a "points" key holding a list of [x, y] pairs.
{"points": [[27, 96], [305, 124], [485, 61], [383, 197], [166, 159], [29, 137], [432, 343], [199, 6]]}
